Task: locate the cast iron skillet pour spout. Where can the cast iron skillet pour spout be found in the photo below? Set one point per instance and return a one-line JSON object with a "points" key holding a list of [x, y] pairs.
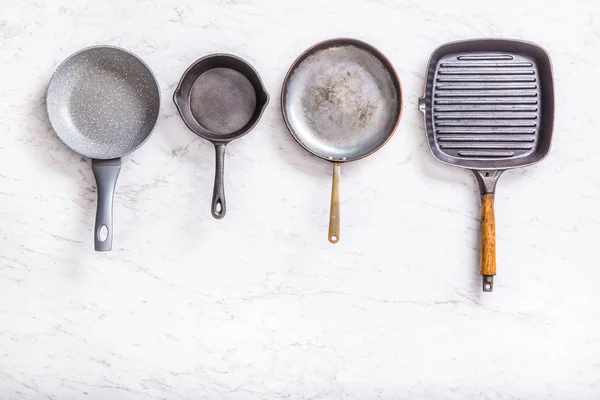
{"points": [[103, 103], [220, 98], [489, 107]]}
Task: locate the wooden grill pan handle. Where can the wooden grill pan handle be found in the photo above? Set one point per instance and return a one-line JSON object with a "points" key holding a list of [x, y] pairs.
{"points": [[487, 185], [488, 241]]}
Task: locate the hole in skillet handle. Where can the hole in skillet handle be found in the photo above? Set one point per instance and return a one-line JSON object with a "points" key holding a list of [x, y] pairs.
{"points": [[218, 210]]}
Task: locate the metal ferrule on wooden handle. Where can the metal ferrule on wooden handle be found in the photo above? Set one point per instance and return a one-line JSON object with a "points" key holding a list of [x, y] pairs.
{"points": [[488, 242]]}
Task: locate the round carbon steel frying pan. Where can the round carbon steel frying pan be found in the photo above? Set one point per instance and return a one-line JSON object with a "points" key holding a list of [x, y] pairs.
{"points": [[103, 103], [342, 101], [220, 98]]}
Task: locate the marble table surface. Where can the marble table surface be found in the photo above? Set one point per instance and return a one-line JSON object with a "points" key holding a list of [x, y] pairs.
{"points": [[259, 305]]}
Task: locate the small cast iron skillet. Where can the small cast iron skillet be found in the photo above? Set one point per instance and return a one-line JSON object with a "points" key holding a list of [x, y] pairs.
{"points": [[220, 98]]}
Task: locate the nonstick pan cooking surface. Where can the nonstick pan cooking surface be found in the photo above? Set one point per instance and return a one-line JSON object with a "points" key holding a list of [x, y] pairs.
{"points": [[103, 102], [489, 106]]}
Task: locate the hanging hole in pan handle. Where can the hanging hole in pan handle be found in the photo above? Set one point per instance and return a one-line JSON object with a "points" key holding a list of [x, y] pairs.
{"points": [[218, 207], [103, 233]]}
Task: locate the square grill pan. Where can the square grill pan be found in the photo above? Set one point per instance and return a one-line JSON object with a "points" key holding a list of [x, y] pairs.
{"points": [[489, 106]]}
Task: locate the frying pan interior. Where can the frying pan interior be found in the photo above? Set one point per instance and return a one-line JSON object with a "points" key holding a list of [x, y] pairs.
{"points": [[103, 102], [341, 100]]}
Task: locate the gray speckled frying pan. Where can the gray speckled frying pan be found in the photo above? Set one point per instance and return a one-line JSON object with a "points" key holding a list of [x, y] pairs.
{"points": [[103, 103]]}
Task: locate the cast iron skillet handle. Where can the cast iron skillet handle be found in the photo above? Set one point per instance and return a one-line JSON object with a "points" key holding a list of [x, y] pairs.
{"points": [[218, 200], [487, 185], [106, 173], [334, 211]]}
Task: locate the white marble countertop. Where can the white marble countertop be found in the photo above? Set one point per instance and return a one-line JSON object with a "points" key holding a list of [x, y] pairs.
{"points": [[259, 305]]}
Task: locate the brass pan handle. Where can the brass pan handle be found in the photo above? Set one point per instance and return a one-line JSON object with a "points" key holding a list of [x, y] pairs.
{"points": [[334, 211]]}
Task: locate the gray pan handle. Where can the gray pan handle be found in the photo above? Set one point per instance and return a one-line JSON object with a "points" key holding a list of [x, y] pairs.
{"points": [[218, 201], [106, 173]]}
